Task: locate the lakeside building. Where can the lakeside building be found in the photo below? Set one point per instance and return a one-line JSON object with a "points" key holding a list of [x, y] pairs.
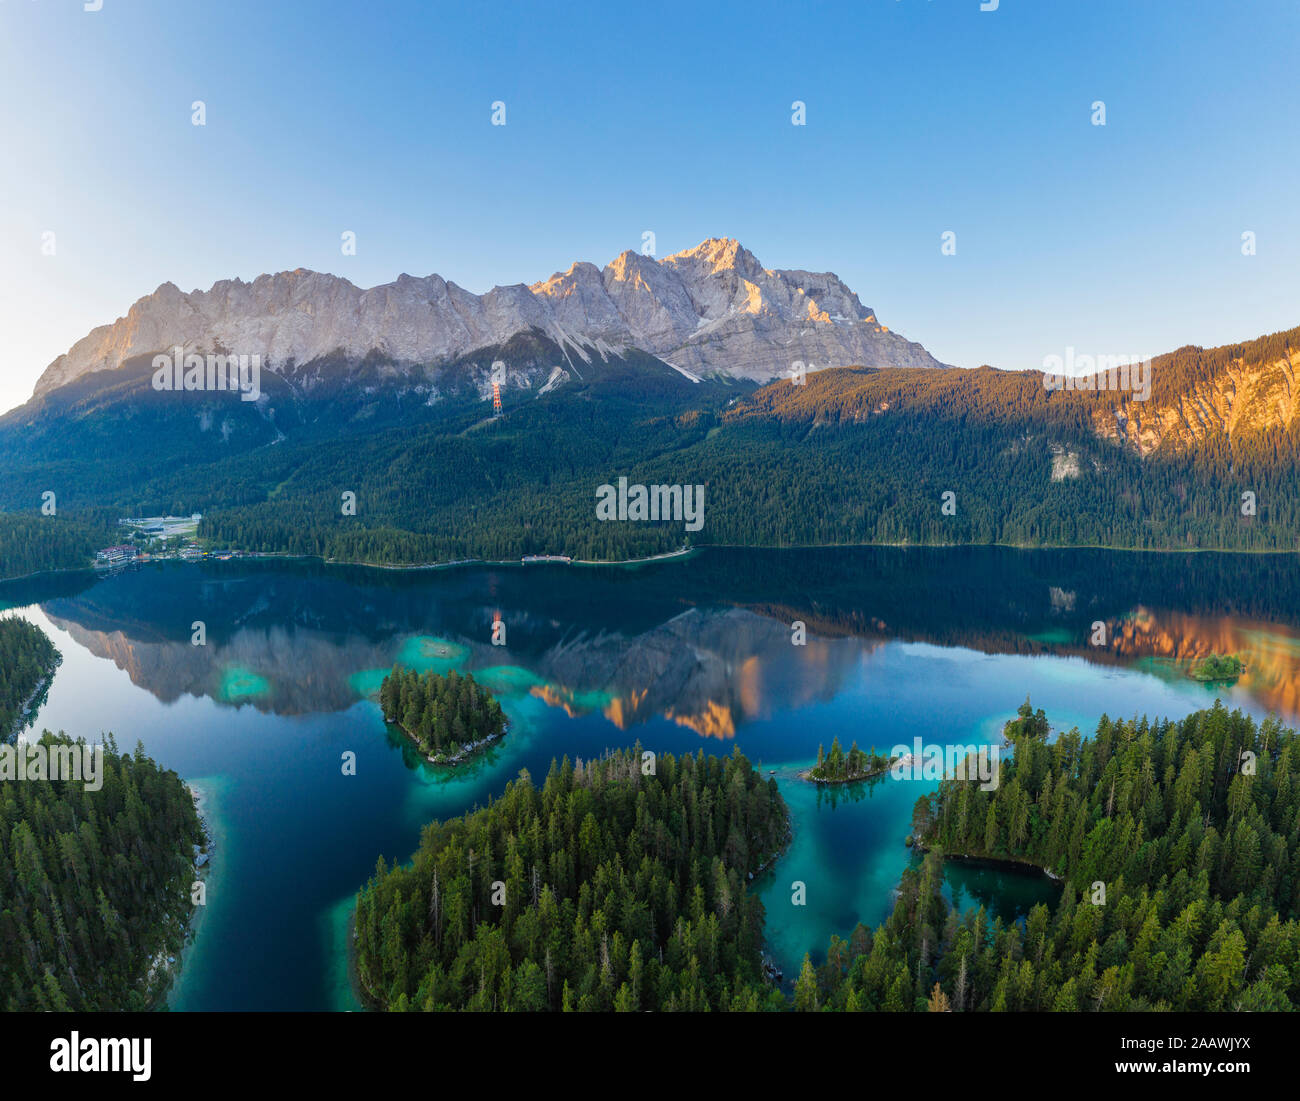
{"points": [[116, 556]]}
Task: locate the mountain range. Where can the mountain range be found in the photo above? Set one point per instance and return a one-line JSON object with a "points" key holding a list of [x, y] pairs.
{"points": [[664, 372], [712, 309]]}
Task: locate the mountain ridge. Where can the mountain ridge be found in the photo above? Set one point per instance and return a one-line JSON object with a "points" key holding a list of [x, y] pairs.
{"points": [[711, 309]]}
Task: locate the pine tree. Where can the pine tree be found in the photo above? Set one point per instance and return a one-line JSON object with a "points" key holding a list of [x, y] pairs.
{"points": [[938, 1001], [805, 989]]}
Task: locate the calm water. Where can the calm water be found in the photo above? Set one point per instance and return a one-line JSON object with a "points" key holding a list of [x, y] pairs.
{"points": [[680, 656]]}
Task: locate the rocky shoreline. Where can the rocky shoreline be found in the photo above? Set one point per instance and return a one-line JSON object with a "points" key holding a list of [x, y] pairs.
{"points": [[25, 709], [466, 751], [171, 964]]}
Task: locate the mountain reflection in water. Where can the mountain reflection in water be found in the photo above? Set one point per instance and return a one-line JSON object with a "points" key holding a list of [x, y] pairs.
{"points": [[706, 644]]}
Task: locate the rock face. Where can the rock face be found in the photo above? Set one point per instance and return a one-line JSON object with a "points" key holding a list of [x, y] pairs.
{"points": [[712, 309], [1243, 397]]}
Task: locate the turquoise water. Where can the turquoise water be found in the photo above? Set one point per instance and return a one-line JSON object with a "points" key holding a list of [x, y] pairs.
{"points": [[682, 657], [849, 843]]}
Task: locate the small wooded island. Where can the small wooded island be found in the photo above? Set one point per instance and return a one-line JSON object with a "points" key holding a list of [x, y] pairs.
{"points": [[448, 717], [1217, 668], [845, 768], [1028, 724]]}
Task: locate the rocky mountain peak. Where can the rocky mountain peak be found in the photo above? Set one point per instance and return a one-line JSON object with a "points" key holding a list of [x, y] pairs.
{"points": [[717, 255]]}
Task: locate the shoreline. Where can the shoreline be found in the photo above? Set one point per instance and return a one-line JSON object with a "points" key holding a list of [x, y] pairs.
{"points": [[767, 962], [204, 807], [496, 562], [26, 714], [466, 752], [689, 553], [807, 776], [1018, 862], [359, 991]]}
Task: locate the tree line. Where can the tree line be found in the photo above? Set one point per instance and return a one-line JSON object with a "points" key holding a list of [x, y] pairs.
{"points": [[855, 455]]}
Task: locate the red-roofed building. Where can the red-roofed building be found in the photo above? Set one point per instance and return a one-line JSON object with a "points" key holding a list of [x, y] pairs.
{"points": [[116, 556]]}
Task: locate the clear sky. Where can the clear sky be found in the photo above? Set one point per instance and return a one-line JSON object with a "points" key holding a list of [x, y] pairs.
{"points": [[923, 116]]}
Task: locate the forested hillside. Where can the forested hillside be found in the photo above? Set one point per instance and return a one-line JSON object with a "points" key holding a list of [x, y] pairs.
{"points": [[1178, 844], [27, 657], [613, 890], [854, 455], [31, 543], [94, 885]]}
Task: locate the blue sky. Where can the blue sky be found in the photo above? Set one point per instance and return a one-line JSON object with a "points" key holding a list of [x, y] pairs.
{"points": [[923, 116]]}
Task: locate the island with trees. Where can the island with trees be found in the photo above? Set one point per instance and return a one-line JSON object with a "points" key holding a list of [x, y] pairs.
{"points": [[620, 884], [448, 717], [1027, 724], [1177, 844], [95, 885], [1217, 669], [27, 663], [839, 767]]}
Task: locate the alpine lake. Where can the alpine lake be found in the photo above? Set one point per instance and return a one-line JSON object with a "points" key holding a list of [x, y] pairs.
{"points": [[683, 656]]}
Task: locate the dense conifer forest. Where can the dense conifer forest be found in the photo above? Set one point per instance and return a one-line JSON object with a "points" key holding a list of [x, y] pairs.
{"points": [[854, 456], [31, 543], [608, 889], [27, 657], [442, 714], [1178, 843], [94, 885]]}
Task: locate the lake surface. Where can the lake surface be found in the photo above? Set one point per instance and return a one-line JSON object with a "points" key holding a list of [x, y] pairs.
{"points": [[679, 656]]}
